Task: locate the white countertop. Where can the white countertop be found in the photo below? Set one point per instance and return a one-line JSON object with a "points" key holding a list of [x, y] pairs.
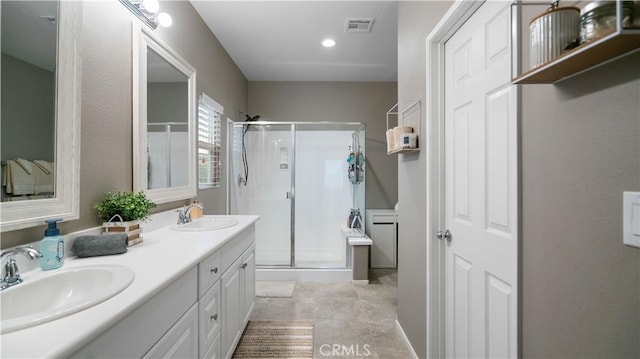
{"points": [[163, 256]]}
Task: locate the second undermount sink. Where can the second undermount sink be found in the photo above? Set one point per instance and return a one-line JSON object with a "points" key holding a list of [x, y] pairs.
{"points": [[52, 295], [206, 223]]}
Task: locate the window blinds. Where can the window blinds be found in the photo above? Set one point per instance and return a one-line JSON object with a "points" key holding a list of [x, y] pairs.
{"points": [[209, 142]]}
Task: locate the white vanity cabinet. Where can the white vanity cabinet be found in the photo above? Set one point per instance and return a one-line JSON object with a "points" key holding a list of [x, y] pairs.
{"points": [[157, 321], [201, 314]]}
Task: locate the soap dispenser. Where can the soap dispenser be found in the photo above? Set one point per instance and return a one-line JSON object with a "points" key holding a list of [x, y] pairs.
{"points": [[52, 246]]}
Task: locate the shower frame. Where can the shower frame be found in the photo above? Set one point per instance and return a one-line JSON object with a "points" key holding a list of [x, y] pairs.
{"points": [[346, 126]]}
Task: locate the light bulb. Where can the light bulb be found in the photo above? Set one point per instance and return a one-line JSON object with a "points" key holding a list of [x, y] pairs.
{"points": [[165, 19], [151, 6], [328, 43]]}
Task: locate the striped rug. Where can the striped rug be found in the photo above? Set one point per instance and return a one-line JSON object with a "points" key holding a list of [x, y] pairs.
{"points": [[275, 339]]}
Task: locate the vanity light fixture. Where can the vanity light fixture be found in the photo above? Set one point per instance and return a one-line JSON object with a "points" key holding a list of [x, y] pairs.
{"points": [[147, 12], [328, 43]]}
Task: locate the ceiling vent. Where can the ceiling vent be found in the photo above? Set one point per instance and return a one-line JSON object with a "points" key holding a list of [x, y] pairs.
{"points": [[359, 25]]}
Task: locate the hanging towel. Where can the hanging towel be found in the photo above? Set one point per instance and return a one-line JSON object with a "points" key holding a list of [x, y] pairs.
{"points": [[46, 167], [25, 164], [43, 180], [18, 181]]}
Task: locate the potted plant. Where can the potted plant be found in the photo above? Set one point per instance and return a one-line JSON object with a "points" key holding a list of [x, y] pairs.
{"points": [[123, 211]]}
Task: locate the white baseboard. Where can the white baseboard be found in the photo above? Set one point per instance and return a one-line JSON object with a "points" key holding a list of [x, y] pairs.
{"points": [[406, 340]]}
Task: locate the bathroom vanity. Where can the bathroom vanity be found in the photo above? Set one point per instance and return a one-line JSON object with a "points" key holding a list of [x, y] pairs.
{"points": [[192, 296]]}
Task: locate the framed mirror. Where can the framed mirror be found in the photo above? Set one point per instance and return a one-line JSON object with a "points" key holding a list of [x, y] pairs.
{"points": [[163, 121], [40, 112]]}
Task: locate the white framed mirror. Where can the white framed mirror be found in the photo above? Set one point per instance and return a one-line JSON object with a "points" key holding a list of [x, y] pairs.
{"points": [[40, 112], [164, 90]]}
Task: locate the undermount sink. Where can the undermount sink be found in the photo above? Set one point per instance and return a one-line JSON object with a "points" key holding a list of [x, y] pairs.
{"points": [[206, 223], [56, 294]]}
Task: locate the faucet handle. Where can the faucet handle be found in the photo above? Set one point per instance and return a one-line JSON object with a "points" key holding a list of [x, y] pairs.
{"points": [[11, 274]]}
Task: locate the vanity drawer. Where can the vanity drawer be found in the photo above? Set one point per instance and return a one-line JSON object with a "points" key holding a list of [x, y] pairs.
{"points": [[209, 314], [208, 273], [233, 249]]}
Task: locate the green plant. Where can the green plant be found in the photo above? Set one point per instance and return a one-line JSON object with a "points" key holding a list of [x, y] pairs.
{"points": [[130, 206]]}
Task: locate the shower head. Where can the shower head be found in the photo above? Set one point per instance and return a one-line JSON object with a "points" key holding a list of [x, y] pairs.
{"points": [[251, 119]]}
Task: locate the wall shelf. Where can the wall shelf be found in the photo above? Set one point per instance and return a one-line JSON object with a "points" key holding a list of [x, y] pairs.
{"points": [[609, 46], [406, 116]]}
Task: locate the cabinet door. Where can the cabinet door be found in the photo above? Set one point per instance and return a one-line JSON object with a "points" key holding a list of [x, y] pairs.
{"points": [[209, 317], [231, 293], [249, 283], [181, 341], [214, 350]]}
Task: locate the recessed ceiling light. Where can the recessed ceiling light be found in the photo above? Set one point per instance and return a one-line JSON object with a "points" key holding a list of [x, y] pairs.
{"points": [[328, 43]]}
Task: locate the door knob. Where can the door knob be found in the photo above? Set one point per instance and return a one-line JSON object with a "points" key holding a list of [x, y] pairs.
{"points": [[444, 235]]}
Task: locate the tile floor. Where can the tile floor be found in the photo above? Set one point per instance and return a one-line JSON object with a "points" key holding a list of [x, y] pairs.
{"points": [[351, 321]]}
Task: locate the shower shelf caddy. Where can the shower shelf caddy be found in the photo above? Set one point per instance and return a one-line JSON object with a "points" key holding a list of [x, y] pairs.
{"points": [[617, 42], [400, 112]]}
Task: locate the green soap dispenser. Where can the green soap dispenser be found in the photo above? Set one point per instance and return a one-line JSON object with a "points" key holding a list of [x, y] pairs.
{"points": [[52, 246]]}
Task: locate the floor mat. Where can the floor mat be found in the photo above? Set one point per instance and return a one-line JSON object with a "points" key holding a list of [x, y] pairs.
{"points": [[276, 339], [275, 289]]}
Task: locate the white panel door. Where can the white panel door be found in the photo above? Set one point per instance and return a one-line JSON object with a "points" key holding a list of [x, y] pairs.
{"points": [[481, 188]]}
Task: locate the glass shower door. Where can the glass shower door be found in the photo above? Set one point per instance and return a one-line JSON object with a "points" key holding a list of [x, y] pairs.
{"points": [[323, 197], [262, 174]]}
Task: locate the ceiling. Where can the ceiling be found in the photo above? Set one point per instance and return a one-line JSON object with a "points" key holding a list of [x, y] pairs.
{"points": [[281, 40], [28, 32]]}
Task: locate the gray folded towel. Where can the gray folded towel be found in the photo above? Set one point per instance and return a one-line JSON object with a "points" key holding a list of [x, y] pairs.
{"points": [[100, 245]]}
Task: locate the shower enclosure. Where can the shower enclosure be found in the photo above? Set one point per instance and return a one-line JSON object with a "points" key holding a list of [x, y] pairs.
{"points": [[299, 177]]}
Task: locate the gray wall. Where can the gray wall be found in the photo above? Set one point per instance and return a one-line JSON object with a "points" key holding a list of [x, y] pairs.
{"points": [[580, 151], [415, 22], [365, 102], [106, 149], [28, 108]]}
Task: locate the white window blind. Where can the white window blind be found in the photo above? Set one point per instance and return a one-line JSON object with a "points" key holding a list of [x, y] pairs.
{"points": [[209, 142]]}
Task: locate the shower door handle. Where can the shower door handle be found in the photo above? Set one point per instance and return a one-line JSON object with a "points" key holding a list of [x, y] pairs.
{"points": [[289, 195]]}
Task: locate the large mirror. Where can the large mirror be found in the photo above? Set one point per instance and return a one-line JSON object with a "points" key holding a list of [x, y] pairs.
{"points": [[164, 121], [40, 112]]}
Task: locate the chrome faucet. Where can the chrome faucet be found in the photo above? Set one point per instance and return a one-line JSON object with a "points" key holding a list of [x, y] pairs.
{"points": [[184, 213], [11, 274]]}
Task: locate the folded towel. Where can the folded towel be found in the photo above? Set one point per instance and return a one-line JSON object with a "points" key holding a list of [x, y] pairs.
{"points": [[100, 245]]}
